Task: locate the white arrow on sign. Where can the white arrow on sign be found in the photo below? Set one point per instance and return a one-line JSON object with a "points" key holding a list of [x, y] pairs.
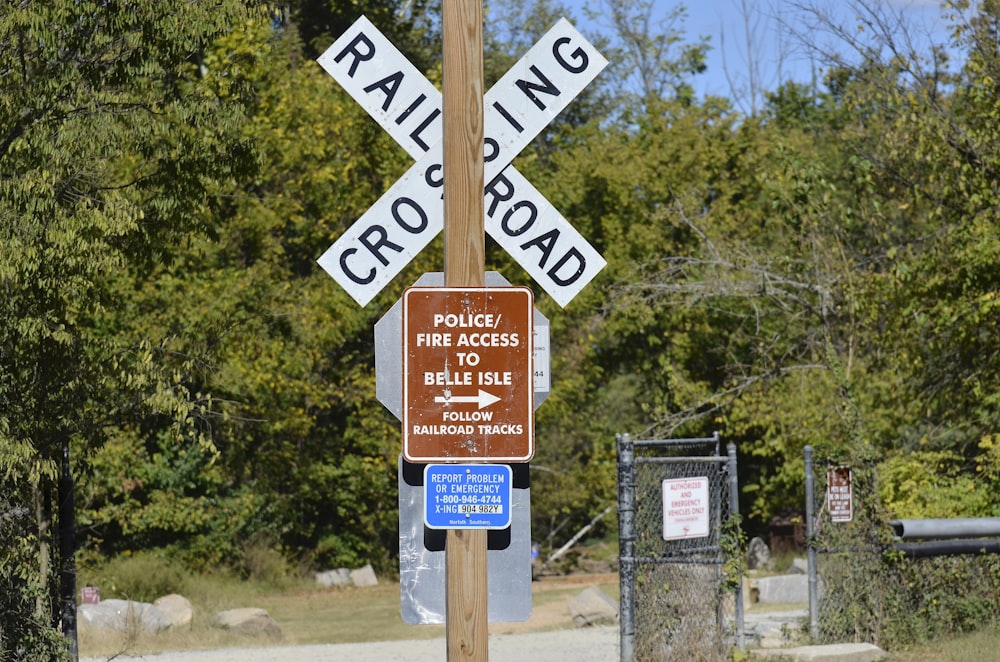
{"points": [[407, 217], [484, 399]]}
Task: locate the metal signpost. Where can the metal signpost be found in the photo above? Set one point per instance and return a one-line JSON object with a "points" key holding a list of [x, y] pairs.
{"points": [[421, 549], [467, 385]]}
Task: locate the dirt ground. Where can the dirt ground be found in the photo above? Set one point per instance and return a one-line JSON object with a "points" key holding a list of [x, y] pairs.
{"points": [[549, 634], [595, 644], [552, 615]]}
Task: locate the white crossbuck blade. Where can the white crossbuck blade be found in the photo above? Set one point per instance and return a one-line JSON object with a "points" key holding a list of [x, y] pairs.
{"points": [[411, 213]]}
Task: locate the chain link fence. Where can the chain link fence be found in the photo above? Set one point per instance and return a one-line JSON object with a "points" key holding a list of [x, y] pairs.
{"points": [[864, 584], [680, 547], [846, 587]]}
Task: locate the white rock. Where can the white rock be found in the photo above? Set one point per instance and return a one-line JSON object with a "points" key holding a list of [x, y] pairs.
{"points": [[122, 616], [177, 609], [338, 577], [249, 621], [592, 606], [364, 576]]}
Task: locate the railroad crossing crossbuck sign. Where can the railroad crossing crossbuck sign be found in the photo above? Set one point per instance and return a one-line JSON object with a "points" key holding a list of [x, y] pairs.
{"points": [[411, 213]]}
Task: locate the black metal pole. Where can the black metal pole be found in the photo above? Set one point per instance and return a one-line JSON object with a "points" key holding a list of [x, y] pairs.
{"points": [[626, 538], [67, 555], [734, 512], [813, 581]]}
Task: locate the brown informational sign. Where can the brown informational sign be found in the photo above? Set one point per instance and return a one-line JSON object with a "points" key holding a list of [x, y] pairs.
{"points": [[468, 378], [839, 496]]}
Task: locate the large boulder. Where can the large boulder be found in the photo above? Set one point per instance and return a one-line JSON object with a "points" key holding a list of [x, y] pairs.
{"points": [[592, 606], [177, 609], [364, 576], [784, 588], [338, 577], [248, 621], [122, 616], [758, 554]]}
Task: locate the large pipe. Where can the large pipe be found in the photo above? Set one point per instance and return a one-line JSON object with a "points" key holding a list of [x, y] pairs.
{"points": [[919, 550], [968, 527]]}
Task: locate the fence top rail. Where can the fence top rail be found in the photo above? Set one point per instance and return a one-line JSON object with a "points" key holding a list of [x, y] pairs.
{"points": [[677, 560], [676, 442], [696, 459]]}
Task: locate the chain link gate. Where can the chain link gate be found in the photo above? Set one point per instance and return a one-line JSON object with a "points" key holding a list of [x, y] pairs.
{"points": [[680, 550], [849, 584]]}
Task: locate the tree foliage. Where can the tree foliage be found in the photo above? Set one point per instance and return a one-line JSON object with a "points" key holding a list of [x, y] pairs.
{"points": [[113, 137], [820, 272]]}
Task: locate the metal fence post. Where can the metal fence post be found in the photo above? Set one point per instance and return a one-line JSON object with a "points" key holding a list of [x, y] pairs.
{"points": [[734, 511], [811, 546], [626, 544]]}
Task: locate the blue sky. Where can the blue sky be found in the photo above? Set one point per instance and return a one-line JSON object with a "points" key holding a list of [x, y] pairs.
{"points": [[775, 30]]}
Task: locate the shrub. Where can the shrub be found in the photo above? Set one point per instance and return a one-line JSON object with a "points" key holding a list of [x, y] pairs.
{"points": [[142, 576]]}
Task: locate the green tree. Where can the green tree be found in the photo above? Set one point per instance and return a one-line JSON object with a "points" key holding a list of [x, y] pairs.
{"points": [[112, 138], [411, 25], [933, 169], [287, 356], [614, 174]]}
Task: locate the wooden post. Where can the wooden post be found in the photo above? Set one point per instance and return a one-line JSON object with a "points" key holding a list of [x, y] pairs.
{"points": [[464, 266], [464, 234]]}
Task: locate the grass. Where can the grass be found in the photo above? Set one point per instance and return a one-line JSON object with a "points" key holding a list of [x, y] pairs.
{"points": [[344, 616], [981, 645], [308, 615]]}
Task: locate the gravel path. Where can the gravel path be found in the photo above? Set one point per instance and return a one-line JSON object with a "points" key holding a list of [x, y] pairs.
{"points": [[597, 644]]}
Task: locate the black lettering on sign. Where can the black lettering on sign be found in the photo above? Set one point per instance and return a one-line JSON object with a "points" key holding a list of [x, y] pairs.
{"points": [[359, 56], [388, 85], [510, 230], [398, 206], [429, 176], [381, 241], [360, 280], [529, 88], [579, 55], [423, 125], [491, 150], [543, 242], [546, 242], [581, 265], [413, 106], [507, 116], [500, 190]]}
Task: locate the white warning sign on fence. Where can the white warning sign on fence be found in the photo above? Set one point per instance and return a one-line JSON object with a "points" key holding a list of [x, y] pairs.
{"points": [[685, 508], [839, 494]]}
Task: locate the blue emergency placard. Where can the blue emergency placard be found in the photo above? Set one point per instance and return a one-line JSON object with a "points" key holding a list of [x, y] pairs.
{"points": [[467, 496]]}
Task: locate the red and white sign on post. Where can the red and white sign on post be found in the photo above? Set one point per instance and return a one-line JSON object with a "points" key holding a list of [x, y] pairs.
{"points": [[468, 378], [839, 494], [685, 508]]}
